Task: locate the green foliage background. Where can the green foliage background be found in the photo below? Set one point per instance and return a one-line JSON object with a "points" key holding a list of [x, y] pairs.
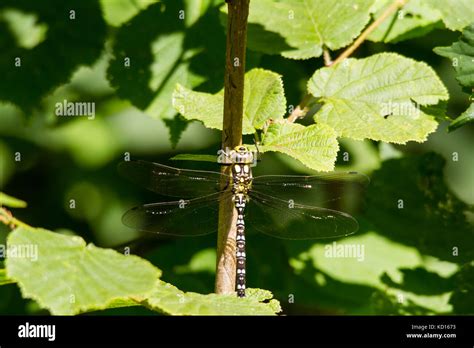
{"points": [[175, 76]]}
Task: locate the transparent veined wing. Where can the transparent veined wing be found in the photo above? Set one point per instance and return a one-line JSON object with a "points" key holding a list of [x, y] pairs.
{"points": [[173, 182], [325, 189], [193, 217], [286, 220]]}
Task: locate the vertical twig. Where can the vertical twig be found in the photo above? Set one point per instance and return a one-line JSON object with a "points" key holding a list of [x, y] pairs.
{"points": [[231, 137]]}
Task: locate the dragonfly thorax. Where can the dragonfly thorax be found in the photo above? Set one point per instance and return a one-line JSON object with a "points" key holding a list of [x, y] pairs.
{"points": [[242, 179]]}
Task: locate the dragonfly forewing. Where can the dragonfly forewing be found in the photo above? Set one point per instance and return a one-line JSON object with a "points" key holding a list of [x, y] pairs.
{"points": [[185, 217], [173, 182]]}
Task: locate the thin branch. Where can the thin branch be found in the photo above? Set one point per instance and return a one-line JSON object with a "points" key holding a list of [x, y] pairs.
{"points": [[8, 219], [397, 4], [231, 137], [327, 57], [301, 110]]}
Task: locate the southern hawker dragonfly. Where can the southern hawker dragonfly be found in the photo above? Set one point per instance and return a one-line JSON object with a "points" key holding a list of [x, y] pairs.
{"points": [[282, 206]]}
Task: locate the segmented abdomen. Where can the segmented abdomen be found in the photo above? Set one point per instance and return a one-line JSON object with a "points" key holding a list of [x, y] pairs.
{"points": [[242, 180]]}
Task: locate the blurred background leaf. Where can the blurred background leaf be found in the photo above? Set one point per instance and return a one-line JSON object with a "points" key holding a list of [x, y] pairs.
{"points": [[434, 219], [170, 42], [31, 31]]}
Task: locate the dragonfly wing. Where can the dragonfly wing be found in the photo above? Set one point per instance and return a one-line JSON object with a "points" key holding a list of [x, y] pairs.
{"points": [[173, 182], [192, 217], [287, 220], [315, 190]]}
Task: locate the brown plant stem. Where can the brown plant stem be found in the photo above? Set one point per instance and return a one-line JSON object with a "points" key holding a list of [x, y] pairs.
{"points": [[8, 219], [231, 137]]}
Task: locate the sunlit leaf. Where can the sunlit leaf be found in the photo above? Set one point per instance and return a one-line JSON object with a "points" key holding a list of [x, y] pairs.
{"points": [[367, 260], [315, 146], [415, 19], [118, 12], [375, 98], [170, 300], [264, 98], [300, 29], [456, 14], [66, 276]]}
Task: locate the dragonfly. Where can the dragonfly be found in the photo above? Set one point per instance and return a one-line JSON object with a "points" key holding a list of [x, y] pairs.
{"points": [[282, 206]]}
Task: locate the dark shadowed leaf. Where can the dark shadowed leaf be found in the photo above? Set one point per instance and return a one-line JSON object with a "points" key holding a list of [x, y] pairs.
{"points": [[69, 43], [418, 209]]}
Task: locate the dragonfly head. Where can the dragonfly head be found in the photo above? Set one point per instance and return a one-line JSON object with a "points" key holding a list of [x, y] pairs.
{"points": [[242, 155]]}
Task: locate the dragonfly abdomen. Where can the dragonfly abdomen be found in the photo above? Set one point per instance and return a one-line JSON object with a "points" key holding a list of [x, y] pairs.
{"points": [[240, 247], [242, 180]]}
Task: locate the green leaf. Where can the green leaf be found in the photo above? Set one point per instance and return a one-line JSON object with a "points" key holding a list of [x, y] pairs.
{"points": [[170, 300], [438, 111], [465, 118], [414, 20], [456, 14], [463, 297], [431, 222], [375, 98], [368, 259], [176, 125], [66, 276], [462, 56], [11, 202], [419, 210], [264, 98], [74, 43], [421, 281], [315, 146], [164, 50], [120, 11], [300, 29], [194, 157], [91, 144], [3, 278]]}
